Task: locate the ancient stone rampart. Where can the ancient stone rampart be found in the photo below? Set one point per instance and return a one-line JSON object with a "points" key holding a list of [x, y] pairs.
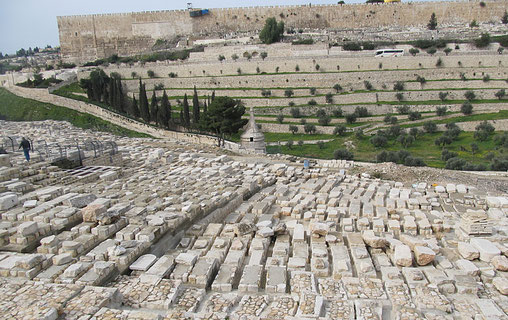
{"points": [[88, 37]]}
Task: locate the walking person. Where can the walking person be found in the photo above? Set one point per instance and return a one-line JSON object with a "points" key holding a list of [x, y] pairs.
{"points": [[25, 144]]}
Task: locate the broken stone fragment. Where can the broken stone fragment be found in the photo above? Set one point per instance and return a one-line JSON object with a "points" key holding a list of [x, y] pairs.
{"points": [[501, 285], [265, 232], [279, 229], [116, 251], [92, 212], [374, 241], [244, 228], [318, 228], [424, 255], [500, 263]]}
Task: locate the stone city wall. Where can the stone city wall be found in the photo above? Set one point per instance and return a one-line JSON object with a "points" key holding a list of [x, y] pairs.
{"points": [[88, 37]]}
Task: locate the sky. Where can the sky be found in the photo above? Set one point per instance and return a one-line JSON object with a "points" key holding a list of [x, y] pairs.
{"points": [[32, 23]]}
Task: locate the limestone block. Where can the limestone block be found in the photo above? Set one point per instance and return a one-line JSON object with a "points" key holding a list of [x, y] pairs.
{"points": [[500, 263], [28, 228], [50, 241], [467, 266], [186, 258], [75, 270], [143, 263], [265, 232], [486, 248], [374, 241], [80, 200], [62, 258], [92, 212], [403, 256], [8, 201], [424, 255], [318, 228], [501, 285], [30, 204], [467, 251]]}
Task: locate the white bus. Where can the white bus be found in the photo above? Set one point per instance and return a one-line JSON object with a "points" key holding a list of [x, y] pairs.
{"points": [[390, 53]]}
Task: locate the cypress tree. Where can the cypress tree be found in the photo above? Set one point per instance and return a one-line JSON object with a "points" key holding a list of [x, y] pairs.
{"points": [[143, 102], [213, 95], [112, 94], [120, 99], [153, 108], [182, 121], [205, 108], [195, 107], [164, 111], [134, 108], [186, 113]]}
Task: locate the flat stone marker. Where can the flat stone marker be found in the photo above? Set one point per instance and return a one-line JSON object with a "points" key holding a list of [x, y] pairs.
{"points": [[486, 248], [143, 263]]}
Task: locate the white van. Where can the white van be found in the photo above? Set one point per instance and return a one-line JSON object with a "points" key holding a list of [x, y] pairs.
{"points": [[390, 53]]}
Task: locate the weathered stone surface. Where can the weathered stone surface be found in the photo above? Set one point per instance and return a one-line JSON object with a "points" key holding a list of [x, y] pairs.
{"points": [[486, 248], [501, 285], [28, 228], [92, 212], [468, 251], [320, 229], [424, 255], [402, 256], [500, 263]]}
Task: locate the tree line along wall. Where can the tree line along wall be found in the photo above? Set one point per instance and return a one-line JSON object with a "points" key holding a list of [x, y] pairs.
{"points": [[88, 37]]}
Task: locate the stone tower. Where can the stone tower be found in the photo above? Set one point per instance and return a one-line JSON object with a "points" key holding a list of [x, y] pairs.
{"points": [[253, 140]]}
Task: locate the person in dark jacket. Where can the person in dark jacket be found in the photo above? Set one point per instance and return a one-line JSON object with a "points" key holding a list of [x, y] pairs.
{"points": [[25, 144]]}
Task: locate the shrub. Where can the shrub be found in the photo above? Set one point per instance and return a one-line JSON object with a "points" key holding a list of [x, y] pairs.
{"points": [[405, 140], [337, 87], [414, 132], [486, 78], [351, 46], [439, 63], [455, 163], [368, 46], [302, 41], [150, 74], [399, 96], [474, 148], [280, 118], [414, 162], [500, 94], [499, 164], [362, 112], [221, 57], [441, 111], [343, 154], [431, 51], [414, 51], [470, 95], [159, 86], [309, 128], [473, 24], [293, 129], [339, 130], [337, 113], [442, 140], [388, 119], [263, 55], [324, 121], [288, 93], [502, 139], [295, 112], [504, 19], [173, 75], [443, 95], [297, 68], [446, 155], [312, 91], [329, 97], [134, 74], [399, 86], [350, 118], [393, 131], [317, 67], [320, 144], [359, 134], [403, 109], [368, 85], [421, 80], [320, 113], [312, 102], [463, 76], [234, 56], [258, 70], [414, 115], [429, 127], [378, 141], [239, 71], [289, 144], [483, 131], [447, 51], [466, 108], [483, 41], [303, 121], [300, 143], [266, 93]]}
